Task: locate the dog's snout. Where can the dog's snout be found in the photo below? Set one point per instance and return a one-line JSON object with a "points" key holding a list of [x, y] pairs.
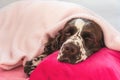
{"points": [[70, 48]]}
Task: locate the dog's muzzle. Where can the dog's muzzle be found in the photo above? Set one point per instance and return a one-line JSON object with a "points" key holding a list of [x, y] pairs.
{"points": [[72, 51], [68, 53]]}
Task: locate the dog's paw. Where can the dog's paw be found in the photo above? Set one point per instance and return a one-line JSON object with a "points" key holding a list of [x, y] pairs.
{"points": [[31, 65]]}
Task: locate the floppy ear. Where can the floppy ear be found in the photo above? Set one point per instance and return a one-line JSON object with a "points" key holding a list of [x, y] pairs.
{"points": [[102, 41], [101, 36], [47, 49], [101, 44], [56, 43], [52, 44]]}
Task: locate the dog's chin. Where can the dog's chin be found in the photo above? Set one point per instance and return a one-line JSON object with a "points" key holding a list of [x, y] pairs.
{"points": [[70, 61], [75, 60]]}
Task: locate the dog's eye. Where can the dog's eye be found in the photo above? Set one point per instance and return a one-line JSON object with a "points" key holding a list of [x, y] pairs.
{"points": [[70, 31], [88, 39], [87, 36]]}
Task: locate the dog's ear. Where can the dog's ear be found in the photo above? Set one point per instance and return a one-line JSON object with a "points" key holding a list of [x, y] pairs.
{"points": [[102, 41], [55, 44], [52, 44], [100, 35], [48, 49]]}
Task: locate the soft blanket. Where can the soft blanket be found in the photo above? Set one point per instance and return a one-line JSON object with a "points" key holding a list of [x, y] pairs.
{"points": [[103, 65], [26, 25]]}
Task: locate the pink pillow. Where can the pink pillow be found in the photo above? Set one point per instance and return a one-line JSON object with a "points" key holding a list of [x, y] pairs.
{"points": [[103, 65]]}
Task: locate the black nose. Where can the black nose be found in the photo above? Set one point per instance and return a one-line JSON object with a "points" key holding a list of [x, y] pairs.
{"points": [[70, 48]]}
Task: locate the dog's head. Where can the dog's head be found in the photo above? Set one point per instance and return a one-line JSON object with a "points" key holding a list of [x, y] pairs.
{"points": [[86, 38]]}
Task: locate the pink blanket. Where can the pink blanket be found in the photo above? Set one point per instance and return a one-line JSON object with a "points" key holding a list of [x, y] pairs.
{"points": [[103, 65]]}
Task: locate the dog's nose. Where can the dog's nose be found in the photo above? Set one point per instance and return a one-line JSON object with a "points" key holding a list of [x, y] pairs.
{"points": [[70, 48]]}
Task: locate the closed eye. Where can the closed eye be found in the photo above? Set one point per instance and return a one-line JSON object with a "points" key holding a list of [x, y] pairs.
{"points": [[87, 36], [70, 30], [89, 39]]}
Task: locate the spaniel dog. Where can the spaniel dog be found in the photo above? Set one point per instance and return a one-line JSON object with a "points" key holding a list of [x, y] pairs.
{"points": [[79, 39]]}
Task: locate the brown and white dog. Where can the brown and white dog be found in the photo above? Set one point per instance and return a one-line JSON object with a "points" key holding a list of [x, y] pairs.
{"points": [[87, 39], [79, 39]]}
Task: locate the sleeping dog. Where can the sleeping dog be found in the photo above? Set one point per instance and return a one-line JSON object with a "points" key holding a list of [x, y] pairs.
{"points": [[79, 39]]}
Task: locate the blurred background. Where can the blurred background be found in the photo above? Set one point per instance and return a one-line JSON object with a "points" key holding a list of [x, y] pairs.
{"points": [[108, 9]]}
